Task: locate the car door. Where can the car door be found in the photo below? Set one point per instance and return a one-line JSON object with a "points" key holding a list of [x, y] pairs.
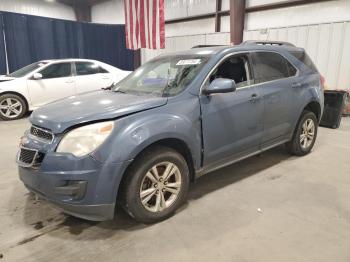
{"points": [[90, 76], [57, 82], [274, 77], [231, 122]]}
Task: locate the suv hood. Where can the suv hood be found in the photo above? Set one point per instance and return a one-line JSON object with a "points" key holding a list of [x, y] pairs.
{"points": [[92, 106]]}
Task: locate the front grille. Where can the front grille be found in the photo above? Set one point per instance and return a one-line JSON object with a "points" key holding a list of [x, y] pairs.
{"points": [[27, 156], [41, 134]]}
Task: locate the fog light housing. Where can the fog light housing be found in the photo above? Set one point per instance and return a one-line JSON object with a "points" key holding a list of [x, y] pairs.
{"points": [[74, 188]]}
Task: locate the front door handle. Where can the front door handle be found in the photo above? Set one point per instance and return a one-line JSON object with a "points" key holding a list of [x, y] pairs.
{"points": [[254, 98], [69, 81], [296, 85]]}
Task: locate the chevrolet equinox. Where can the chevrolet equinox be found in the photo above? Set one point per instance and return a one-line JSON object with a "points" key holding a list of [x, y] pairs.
{"points": [[177, 117]]}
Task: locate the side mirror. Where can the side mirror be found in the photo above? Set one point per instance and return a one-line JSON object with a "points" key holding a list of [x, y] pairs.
{"points": [[37, 76], [220, 85]]}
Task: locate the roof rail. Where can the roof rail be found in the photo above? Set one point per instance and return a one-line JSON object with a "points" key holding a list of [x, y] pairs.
{"points": [[263, 42], [200, 46]]}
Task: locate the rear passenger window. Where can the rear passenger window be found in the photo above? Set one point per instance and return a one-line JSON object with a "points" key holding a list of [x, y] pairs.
{"points": [[86, 68], [268, 66]]}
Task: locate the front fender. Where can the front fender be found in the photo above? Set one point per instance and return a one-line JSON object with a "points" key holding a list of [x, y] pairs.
{"points": [[136, 132], [16, 86]]}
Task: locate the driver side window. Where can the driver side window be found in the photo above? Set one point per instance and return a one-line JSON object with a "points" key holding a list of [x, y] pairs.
{"points": [[235, 68], [57, 70]]}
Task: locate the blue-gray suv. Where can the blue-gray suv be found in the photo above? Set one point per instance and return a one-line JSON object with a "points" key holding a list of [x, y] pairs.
{"points": [[177, 117]]}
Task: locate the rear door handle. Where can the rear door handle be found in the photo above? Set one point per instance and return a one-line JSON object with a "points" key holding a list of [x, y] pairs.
{"points": [[296, 85], [69, 81]]}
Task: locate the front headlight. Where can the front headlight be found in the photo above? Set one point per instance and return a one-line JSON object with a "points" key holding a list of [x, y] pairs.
{"points": [[84, 140]]}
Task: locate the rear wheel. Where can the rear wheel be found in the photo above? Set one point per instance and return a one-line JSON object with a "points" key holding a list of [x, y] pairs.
{"points": [[12, 107], [156, 185], [304, 136]]}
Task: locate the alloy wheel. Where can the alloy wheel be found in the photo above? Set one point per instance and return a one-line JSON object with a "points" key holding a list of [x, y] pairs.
{"points": [[160, 187], [11, 107], [307, 133]]}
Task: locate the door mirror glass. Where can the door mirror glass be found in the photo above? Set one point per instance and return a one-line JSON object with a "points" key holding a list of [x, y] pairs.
{"points": [[220, 85], [37, 76]]}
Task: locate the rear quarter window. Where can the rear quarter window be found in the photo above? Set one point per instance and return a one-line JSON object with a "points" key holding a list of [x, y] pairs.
{"points": [[305, 59], [269, 66]]}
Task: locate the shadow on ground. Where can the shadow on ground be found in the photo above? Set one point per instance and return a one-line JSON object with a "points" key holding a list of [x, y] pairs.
{"points": [[45, 216]]}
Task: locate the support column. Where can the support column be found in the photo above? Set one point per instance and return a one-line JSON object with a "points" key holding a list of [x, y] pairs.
{"points": [[237, 13], [82, 12], [218, 16], [137, 58]]}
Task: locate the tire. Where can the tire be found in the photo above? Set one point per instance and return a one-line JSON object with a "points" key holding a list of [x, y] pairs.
{"points": [[302, 143], [12, 107], [140, 177]]}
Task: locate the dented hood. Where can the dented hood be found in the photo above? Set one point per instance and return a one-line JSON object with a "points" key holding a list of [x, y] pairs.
{"points": [[89, 107]]}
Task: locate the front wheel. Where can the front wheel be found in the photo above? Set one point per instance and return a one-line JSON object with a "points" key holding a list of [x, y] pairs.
{"points": [[304, 136], [12, 107], [156, 185]]}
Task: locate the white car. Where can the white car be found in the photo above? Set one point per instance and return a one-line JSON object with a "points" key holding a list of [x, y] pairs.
{"points": [[45, 81]]}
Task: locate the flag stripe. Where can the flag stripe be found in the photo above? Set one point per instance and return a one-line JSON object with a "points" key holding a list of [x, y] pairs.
{"points": [[161, 24], [137, 17], [154, 24], [144, 24], [126, 24], [131, 24], [148, 23]]}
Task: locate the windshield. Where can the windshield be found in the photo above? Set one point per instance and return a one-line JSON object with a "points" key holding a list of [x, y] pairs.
{"points": [[27, 69], [166, 76]]}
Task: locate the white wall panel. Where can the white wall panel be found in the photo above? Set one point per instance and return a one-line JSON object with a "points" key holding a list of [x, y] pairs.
{"points": [[201, 26], [250, 3], [217, 39], [327, 44], [225, 23], [39, 8], [179, 43], [175, 9], [343, 80], [315, 13], [335, 54], [225, 5], [197, 7], [111, 12], [183, 8]]}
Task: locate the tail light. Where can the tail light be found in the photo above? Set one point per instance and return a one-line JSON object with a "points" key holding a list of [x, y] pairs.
{"points": [[323, 82]]}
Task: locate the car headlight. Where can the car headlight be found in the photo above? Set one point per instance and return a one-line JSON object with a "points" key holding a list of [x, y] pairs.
{"points": [[83, 140]]}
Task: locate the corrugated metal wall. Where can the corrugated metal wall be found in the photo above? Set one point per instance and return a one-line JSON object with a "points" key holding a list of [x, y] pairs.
{"points": [[327, 44], [178, 43]]}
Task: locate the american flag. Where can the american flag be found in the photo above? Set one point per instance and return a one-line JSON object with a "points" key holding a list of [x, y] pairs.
{"points": [[144, 24]]}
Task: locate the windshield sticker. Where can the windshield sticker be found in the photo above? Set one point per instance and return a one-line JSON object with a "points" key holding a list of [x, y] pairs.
{"points": [[189, 62]]}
